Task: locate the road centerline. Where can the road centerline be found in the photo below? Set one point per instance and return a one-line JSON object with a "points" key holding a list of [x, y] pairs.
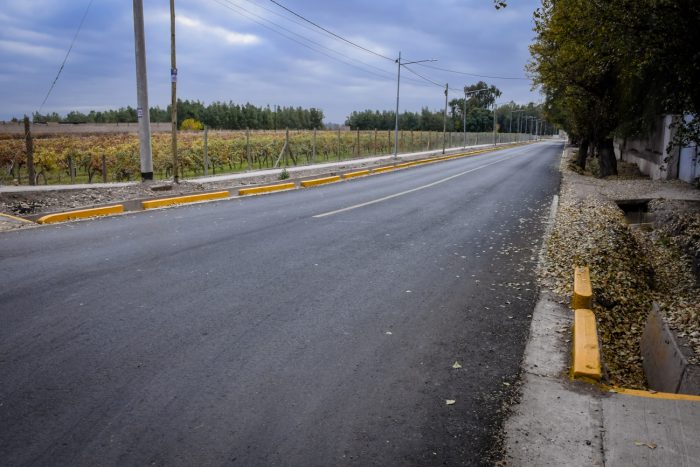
{"points": [[406, 192]]}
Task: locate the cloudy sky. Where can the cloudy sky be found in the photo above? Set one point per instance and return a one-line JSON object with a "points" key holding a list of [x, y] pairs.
{"points": [[254, 51]]}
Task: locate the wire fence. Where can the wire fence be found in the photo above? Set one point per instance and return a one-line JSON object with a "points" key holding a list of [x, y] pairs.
{"points": [[90, 158]]}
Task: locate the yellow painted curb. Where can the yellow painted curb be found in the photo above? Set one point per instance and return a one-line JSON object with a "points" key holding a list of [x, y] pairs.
{"points": [[266, 189], [320, 181], [583, 291], [359, 173], [80, 214], [383, 169], [402, 165], [159, 203], [19, 219], [654, 395], [586, 353]]}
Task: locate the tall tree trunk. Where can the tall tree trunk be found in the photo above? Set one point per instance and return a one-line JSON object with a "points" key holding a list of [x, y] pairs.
{"points": [[582, 154], [606, 152]]}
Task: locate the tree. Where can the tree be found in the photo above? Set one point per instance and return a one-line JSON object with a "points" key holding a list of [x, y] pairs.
{"points": [[576, 61], [612, 68], [191, 124]]}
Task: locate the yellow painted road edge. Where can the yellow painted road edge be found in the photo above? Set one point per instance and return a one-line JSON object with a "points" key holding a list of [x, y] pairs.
{"points": [[266, 189], [81, 214], [159, 203], [652, 394], [359, 173], [320, 181], [10, 216], [383, 169]]}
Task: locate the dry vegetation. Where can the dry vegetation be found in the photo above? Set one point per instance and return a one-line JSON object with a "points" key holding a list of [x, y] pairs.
{"points": [[629, 269]]}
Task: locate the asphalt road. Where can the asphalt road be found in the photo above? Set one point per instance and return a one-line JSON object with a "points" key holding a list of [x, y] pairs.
{"points": [[253, 332]]}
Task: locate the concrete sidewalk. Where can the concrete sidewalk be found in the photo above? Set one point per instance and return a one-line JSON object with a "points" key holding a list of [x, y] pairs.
{"points": [[299, 170], [564, 422], [559, 421]]}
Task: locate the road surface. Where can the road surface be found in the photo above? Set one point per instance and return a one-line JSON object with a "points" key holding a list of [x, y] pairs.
{"points": [[313, 327]]}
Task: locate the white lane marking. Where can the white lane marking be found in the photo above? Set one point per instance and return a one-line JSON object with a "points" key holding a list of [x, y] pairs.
{"points": [[412, 190]]}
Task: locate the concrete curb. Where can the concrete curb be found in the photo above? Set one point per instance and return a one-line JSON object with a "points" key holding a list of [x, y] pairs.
{"points": [[358, 173], [586, 352], [320, 181], [218, 195], [163, 202], [583, 292], [266, 189], [15, 218], [81, 214]]}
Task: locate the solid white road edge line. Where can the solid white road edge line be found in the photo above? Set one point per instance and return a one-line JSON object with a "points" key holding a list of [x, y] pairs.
{"points": [[412, 190]]}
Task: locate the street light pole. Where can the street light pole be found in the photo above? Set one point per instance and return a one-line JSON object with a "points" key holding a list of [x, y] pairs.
{"points": [[396, 124], [398, 85], [464, 111], [444, 120], [494, 121]]}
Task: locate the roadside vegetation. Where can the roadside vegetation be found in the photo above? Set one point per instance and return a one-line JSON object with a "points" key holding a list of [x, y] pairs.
{"points": [[612, 68], [227, 152]]}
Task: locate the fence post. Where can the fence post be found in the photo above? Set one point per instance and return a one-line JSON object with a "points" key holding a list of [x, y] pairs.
{"points": [[357, 144], [374, 145], [71, 170], [104, 168], [338, 143], [29, 144], [247, 149], [286, 146], [206, 151], [313, 147]]}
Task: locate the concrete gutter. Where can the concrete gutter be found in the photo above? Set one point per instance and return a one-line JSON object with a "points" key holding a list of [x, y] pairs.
{"points": [[560, 421]]}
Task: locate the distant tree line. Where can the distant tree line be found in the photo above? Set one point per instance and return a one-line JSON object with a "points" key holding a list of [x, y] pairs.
{"points": [[479, 115], [218, 115]]}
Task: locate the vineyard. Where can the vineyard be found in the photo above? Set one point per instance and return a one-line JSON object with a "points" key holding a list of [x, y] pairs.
{"points": [[60, 159]]}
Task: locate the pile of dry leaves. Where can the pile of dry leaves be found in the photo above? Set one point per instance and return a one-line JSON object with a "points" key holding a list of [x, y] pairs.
{"points": [[630, 268], [592, 232]]}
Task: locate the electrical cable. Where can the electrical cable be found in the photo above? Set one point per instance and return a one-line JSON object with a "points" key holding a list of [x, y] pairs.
{"points": [[65, 59], [471, 74], [331, 32], [249, 15]]}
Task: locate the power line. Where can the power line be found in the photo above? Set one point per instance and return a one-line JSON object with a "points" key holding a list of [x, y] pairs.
{"points": [[248, 14], [251, 16], [75, 36], [331, 32], [423, 77], [473, 74]]}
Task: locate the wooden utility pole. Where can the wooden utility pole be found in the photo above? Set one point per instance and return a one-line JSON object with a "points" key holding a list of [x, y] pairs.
{"points": [[173, 84], [29, 143]]}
